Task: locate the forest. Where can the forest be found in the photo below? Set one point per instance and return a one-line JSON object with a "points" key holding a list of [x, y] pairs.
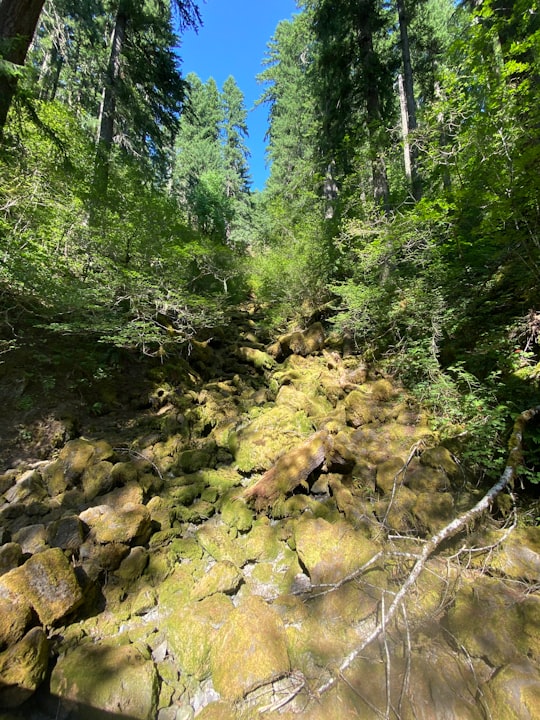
{"points": [[270, 453], [401, 207]]}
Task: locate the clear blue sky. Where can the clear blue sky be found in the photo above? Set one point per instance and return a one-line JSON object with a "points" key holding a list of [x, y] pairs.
{"points": [[233, 42]]}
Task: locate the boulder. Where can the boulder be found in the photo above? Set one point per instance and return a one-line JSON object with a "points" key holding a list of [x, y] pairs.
{"points": [[10, 557], [103, 680], [514, 692], [191, 631], [97, 479], [291, 469], [15, 617], [74, 457], [307, 342], [331, 551], [223, 577], [133, 565], [66, 533], [250, 650], [257, 444], [48, 582], [31, 538], [29, 487], [23, 668], [127, 524]]}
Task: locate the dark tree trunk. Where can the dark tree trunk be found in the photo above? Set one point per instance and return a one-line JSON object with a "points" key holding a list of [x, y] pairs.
{"points": [[369, 62], [108, 103], [18, 21]]}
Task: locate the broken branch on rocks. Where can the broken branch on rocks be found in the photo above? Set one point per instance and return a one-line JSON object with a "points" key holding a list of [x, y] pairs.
{"points": [[506, 479]]}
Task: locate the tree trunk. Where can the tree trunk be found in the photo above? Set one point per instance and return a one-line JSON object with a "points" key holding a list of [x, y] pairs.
{"points": [[108, 103], [408, 87], [18, 21], [381, 191]]}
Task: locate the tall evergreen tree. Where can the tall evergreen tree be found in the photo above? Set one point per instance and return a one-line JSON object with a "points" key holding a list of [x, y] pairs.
{"points": [[235, 131], [293, 126], [143, 90], [354, 85]]}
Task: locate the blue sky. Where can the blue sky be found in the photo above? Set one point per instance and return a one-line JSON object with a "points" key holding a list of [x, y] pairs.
{"points": [[233, 42]]}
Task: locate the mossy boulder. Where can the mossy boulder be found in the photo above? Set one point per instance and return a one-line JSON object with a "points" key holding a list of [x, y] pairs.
{"points": [[191, 631], [218, 543], [127, 524], [258, 444], [75, 456], [97, 479], [103, 678], [513, 693], [236, 514], [250, 649], [48, 582], [433, 510], [359, 408], [331, 551], [390, 474], [23, 667], [223, 577], [258, 358], [485, 620], [15, 617]]}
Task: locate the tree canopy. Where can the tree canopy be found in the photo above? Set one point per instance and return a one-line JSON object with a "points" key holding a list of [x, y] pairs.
{"points": [[401, 204]]}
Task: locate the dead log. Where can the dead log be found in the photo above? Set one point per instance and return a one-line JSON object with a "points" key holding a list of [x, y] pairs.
{"points": [[290, 470]]}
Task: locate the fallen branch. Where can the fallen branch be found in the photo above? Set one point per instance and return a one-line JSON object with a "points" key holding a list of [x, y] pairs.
{"points": [[507, 478]]}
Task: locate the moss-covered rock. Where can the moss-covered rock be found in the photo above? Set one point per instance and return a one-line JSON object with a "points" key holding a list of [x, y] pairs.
{"points": [[97, 479], [127, 524], [217, 542], [433, 510], [485, 620], [330, 552], [192, 630], [249, 650], [47, 581], [105, 678], [236, 514], [514, 692], [23, 667], [258, 444], [390, 473], [223, 577]]}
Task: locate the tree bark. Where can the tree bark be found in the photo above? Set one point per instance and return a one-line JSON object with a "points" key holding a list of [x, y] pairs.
{"points": [[18, 21], [408, 86], [108, 103], [381, 190]]}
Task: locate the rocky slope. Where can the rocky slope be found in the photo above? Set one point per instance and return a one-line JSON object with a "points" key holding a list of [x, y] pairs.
{"points": [[217, 536]]}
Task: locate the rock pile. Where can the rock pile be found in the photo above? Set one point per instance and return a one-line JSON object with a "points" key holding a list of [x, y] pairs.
{"points": [[244, 541]]}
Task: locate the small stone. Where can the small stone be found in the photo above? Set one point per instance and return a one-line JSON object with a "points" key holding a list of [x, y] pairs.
{"points": [[31, 538]]}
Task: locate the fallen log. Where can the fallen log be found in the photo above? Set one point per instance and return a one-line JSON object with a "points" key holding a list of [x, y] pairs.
{"points": [[290, 470]]}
